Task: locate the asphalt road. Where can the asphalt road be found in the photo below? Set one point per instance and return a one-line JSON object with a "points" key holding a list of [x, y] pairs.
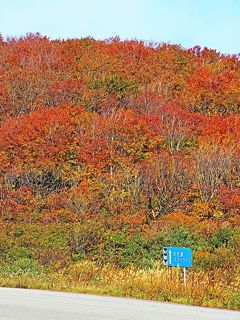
{"points": [[21, 304]]}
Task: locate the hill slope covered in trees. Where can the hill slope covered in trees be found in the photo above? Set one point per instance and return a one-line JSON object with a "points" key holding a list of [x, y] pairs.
{"points": [[110, 150]]}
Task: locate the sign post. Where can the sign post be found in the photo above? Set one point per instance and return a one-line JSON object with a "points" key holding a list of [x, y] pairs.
{"points": [[178, 257], [185, 276]]}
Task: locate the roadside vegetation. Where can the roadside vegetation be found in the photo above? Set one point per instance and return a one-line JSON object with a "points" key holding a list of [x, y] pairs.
{"points": [[92, 260]]}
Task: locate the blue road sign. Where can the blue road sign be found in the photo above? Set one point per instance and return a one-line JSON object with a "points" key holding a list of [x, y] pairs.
{"points": [[177, 257]]}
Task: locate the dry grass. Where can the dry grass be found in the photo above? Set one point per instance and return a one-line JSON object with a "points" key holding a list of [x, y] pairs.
{"points": [[216, 289]]}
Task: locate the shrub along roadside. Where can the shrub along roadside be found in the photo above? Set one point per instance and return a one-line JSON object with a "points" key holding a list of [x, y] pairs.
{"points": [[90, 258], [60, 245]]}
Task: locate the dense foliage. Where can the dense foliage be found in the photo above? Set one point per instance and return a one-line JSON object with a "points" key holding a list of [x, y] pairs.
{"points": [[120, 146]]}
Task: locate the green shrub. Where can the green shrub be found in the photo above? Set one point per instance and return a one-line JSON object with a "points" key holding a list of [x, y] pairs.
{"points": [[15, 253], [25, 265], [222, 237]]}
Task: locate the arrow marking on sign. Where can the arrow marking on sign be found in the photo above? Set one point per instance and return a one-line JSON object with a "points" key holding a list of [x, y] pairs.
{"points": [[170, 257]]}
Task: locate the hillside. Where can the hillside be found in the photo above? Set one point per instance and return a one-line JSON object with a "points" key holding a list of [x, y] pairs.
{"points": [[110, 150]]}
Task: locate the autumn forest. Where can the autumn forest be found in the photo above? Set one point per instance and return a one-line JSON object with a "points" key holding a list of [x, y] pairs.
{"points": [[110, 150]]}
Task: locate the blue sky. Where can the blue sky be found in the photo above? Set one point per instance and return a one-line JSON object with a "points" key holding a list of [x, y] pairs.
{"points": [[211, 23]]}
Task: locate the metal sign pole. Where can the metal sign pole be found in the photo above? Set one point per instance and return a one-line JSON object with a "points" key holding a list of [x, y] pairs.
{"points": [[185, 276]]}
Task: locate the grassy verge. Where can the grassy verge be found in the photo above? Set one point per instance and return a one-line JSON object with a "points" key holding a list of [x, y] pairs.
{"points": [[204, 289]]}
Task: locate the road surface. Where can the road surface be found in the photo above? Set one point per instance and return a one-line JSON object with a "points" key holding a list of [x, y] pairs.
{"points": [[22, 304]]}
